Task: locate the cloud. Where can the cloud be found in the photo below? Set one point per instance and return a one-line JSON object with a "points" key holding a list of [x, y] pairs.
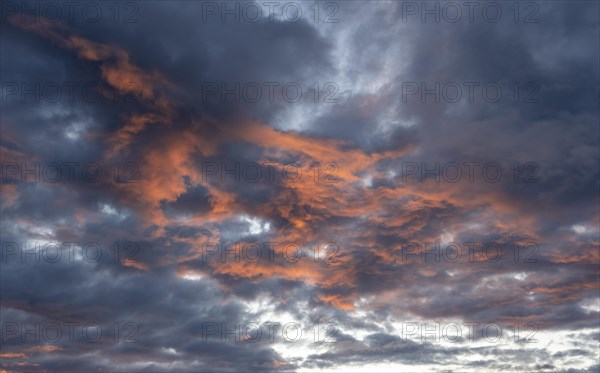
{"points": [[329, 191]]}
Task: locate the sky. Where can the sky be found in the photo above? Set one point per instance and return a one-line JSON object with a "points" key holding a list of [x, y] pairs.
{"points": [[329, 186]]}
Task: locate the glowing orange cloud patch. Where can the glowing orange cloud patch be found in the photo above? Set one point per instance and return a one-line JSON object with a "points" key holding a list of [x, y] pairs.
{"points": [[134, 264], [337, 301], [278, 364]]}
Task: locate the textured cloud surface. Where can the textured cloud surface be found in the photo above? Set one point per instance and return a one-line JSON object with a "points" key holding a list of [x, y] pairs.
{"points": [[300, 186]]}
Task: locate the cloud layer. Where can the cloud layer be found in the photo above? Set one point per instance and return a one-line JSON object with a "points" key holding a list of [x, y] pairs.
{"points": [[322, 187]]}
